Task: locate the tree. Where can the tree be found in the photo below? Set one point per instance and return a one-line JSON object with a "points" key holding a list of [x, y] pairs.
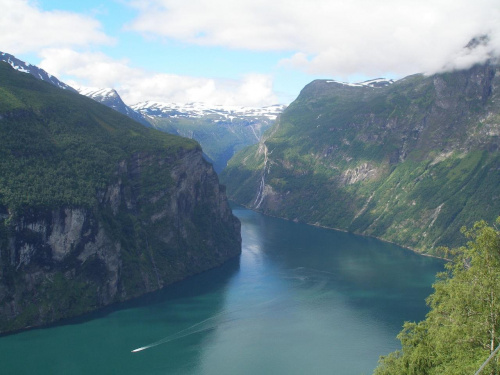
{"points": [[463, 326]]}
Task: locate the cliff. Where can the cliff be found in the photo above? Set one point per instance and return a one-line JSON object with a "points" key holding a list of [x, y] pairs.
{"points": [[408, 162], [95, 208]]}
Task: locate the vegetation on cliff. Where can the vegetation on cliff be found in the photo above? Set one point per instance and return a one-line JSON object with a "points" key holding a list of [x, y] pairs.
{"points": [[95, 208], [59, 148], [409, 163], [463, 325]]}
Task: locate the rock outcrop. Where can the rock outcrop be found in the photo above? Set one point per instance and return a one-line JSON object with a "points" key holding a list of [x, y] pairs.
{"points": [[96, 208], [65, 261]]}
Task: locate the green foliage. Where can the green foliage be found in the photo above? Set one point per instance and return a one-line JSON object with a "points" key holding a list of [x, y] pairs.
{"points": [[60, 148], [463, 325]]}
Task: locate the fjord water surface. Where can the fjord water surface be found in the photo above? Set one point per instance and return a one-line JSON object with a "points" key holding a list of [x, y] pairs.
{"points": [[299, 300]]}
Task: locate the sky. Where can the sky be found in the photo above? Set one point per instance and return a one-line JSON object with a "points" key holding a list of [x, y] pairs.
{"points": [[243, 52]]}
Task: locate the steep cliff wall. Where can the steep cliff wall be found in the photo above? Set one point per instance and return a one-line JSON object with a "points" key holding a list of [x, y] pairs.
{"points": [[65, 261], [411, 162], [95, 208]]}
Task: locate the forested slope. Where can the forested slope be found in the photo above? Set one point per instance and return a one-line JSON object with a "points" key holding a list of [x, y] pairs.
{"points": [[94, 207]]}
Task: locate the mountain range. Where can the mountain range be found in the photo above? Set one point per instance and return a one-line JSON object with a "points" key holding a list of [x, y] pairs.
{"points": [[409, 161], [221, 130]]}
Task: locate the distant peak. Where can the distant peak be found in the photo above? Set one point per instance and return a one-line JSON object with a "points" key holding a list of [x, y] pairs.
{"points": [[35, 71], [482, 40], [93, 92], [197, 109]]}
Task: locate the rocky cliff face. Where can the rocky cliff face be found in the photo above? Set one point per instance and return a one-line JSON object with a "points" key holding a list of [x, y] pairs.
{"points": [[95, 208], [65, 261], [409, 162]]}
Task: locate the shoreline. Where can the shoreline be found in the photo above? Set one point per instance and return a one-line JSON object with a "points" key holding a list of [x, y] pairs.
{"points": [[345, 231]]}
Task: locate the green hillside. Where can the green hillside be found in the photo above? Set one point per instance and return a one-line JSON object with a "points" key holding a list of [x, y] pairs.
{"points": [[96, 208], [59, 147], [410, 162]]}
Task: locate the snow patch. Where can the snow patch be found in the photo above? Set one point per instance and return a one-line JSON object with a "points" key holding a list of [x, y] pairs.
{"points": [[198, 110], [373, 83], [94, 92]]}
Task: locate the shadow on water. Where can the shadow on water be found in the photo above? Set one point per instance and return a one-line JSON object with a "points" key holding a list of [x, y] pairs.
{"points": [[101, 342], [195, 285]]}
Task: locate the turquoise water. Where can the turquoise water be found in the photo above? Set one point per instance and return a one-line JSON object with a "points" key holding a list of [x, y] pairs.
{"points": [[299, 300]]}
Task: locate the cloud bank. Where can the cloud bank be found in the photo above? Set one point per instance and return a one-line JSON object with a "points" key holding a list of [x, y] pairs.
{"points": [[66, 43], [327, 38], [136, 85], [333, 37]]}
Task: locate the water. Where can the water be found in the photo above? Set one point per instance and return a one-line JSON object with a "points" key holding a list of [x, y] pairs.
{"points": [[300, 300]]}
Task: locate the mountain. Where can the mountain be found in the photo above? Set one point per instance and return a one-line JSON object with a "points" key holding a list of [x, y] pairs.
{"points": [[409, 162], [221, 130], [35, 71], [198, 110], [96, 208], [110, 98]]}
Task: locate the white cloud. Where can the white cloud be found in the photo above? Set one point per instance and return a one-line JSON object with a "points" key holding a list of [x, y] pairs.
{"points": [[26, 28], [334, 37], [135, 85], [90, 68]]}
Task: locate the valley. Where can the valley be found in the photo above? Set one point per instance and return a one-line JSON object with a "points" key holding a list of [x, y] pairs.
{"points": [[109, 216]]}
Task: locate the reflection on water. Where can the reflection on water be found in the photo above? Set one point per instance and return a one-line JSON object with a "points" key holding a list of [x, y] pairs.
{"points": [[299, 300]]}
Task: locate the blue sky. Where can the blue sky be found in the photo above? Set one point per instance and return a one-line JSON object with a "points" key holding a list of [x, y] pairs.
{"points": [[242, 52]]}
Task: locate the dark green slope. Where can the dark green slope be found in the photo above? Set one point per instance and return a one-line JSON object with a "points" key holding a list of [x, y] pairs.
{"points": [[95, 208], [409, 163], [59, 147]]}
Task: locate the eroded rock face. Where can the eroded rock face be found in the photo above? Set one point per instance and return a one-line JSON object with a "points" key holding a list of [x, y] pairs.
{"points": [[410, 162], [65, 261], [363, 172]]}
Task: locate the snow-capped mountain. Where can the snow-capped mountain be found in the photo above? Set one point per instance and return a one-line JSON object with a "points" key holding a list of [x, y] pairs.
{"points": [[34, 71], [198, 110], [221, 130], [374, 83], [110, 98]]}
